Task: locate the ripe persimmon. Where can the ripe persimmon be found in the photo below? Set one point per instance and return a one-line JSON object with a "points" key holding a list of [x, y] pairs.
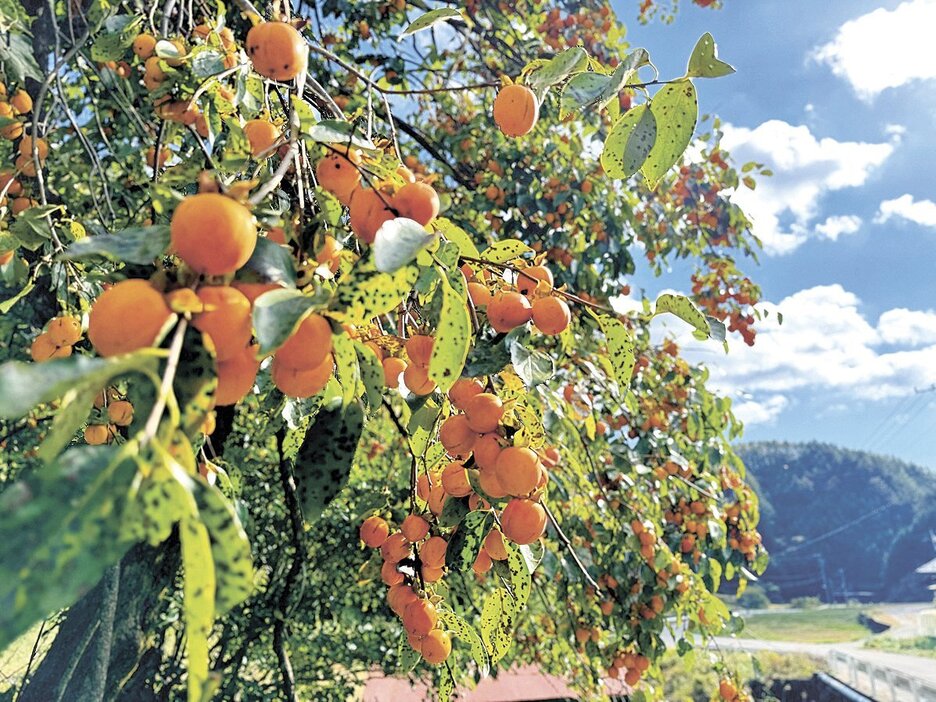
{"points": [[338, 174], [6, 257], [44, 349], [417, 201], [457, 436], [392, 368], [508, 310], [727, 690], [368, 211], [419, 349], [479, 294], [523, 521], [399, 597], [431, 574], [144, 45], [9, 185], [308, 345], [374, 531], [390, 575], [226, 319], [120, 412], [516, 110], [482, 563], [486, 450], [301, 382], [455, 480], [213, 234], [417, 380], [395, 548], [518, 470], [463, 390], [494, 545], [551, 315], [126, 317], [253, 290], [262, 135], [26, 147], [21, 102], [432, 552], [528, 280], [436, 647], [64, 330], [236, 376], [420, 617], [277, 50], [414, 528], [484, 412], [97, 434], [490, 483]]}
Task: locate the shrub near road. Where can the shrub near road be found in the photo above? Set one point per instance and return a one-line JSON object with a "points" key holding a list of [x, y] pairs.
{"points": [[345, 319]]}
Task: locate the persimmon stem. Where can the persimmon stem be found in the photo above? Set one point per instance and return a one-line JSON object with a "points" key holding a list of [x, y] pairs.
{"points": [[172, 365]]}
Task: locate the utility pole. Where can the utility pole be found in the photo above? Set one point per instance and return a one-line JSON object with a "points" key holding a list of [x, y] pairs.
{"points": [[825, 580], [844, 586]]}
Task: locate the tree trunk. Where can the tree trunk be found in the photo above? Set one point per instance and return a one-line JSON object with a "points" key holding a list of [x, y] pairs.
{"points": [[104, 649]]}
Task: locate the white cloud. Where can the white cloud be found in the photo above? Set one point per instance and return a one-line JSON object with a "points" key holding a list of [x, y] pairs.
{"points": [[826, 345], [907, 327], [922, 212], [837, 225], [884, 48], [805, 168], [760, 412]]}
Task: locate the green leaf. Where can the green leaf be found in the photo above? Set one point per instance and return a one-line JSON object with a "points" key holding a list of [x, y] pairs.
{"points": [[453, 333], [429, 19], [534, 367], [195, 382], [16, 57], [372, 375], [629, 142], [505, 250], [347, 368], [364, 292], [336, 132], [521, 580], [277, 314], [467, 633], [325, 456], [704, 62], [676, 109], [453, 511], [71, 414], [558, 68], [486, 358], [621, 349], [582, 90], [230, 547], [113, 44], [272, 262], [207, 62], [497, 624], [198, 594], [458, 236], [31, 227], [165, 49], [139, 245], [466, 541], [397, 242], [25, 385], [62, 527], [623, 72], [682, 307]]}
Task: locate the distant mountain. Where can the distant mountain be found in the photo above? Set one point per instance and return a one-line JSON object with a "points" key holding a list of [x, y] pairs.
{"points": [[839, 521]]}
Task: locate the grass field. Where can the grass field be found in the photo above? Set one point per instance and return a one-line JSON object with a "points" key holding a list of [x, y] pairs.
{"points": [[918, 646], [824, 625]]}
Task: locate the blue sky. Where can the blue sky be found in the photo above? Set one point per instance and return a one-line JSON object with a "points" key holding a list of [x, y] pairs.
{"points": [[839, 98]]}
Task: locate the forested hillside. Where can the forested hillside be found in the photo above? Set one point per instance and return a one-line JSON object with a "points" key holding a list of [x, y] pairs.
{"points": [[863, 518]]}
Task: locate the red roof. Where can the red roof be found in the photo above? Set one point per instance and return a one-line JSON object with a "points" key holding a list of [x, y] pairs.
{"points": [[521, 684]]}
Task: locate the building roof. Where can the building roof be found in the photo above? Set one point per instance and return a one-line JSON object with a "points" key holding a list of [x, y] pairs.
{"points": [[928, 568]]}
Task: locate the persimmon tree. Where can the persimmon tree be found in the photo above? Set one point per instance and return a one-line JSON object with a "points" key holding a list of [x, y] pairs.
{"points": [[313, 365]]}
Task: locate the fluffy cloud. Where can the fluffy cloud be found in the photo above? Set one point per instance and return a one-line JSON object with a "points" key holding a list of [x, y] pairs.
{"points": [[884, 48], [922, 212], [825, 348], [805, 168], [835, 226], [907, 327]]}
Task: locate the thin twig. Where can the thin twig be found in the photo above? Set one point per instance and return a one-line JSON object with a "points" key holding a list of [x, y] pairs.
{"points": [[568, 546]]}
